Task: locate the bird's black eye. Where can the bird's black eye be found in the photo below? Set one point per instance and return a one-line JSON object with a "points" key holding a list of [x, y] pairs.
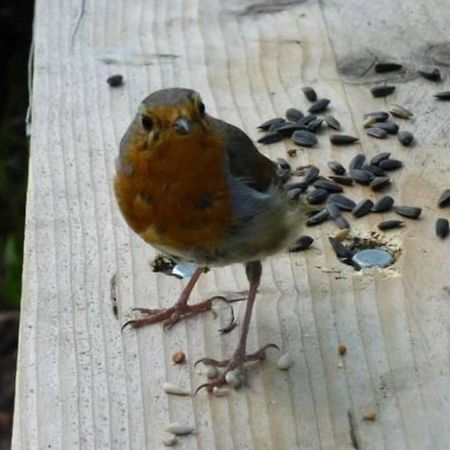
{"points": [[147, 122], [201, 108]]}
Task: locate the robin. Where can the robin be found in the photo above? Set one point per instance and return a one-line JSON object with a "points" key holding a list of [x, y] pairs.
{"points": [[197, 189]]}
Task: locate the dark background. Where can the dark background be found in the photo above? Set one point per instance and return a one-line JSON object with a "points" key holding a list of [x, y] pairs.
{"points": [[15, 40]]}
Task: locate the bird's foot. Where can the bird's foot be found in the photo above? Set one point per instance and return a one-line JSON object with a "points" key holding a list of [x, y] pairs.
{"points": [[233, 368]]}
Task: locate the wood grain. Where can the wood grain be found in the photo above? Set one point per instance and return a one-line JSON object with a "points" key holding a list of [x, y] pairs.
{"points": [[81, 383]]}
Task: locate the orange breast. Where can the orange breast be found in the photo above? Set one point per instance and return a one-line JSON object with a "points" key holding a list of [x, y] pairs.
{"points": [[177, 195]]}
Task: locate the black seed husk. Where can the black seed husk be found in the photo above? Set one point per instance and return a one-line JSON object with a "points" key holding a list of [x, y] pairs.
{"points": [[363, 208], [328, 185], [390, 164], [383, 204], [342, 139], [412, 212], [382, 90], [319, 106], [384, 67], [317, 196], [297, 185], [342, 179], [342, 252], [342, 201], [315, 125], [357, 161], [283, 174], [270, 138], [375, 161], [430, 72], [294, 193], [302, 243], [376, 132], [283, 163], [332, 122], [310, 93], [389, 127], [333, 210], [362, 176], [266, 125], [305, 121], [311, 174], [442, 227], [286, 129], [380, 183], [379, 116], [318, 218], [294, 114], [390, 224], [400, 111], [444, 95], [341, 222], [444, 199], [374, 169], [115, 80], [336, 167], [304, 137], [406, 138]]}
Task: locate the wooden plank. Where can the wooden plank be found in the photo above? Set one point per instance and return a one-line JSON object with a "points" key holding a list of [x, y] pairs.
{"points": [[81, 383]]}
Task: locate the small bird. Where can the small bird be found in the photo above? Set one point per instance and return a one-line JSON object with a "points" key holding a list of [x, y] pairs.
{"points": [[198, 190]]}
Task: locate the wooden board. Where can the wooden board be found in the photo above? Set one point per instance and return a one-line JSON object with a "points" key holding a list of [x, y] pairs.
{"points": [[81, 383]]}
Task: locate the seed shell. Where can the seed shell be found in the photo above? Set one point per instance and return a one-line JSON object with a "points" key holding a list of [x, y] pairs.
{"points": [[294, 114], [270, 138], [342, 139], [342, 223], [412, 212], [357, 161], [318, 218], [332, 122], [383, 204], [431, 72], [378, 116], [333, 210], [304, 137], [286, 129], [266, 125], [388, 126], [363, 208], [379, 183], [311, 174], [169, 441], [310, 93], [382, 90], [342, 252], [115, 80], [384, 67], [336, 167], [443, 95], [328, 185], [406, 138], [375, 161], [178, 429], [342, 179], [374, 169], [400, 111], [390, 224], [319, 106], [376, 132], [362, 176], [390, 164], [317, 196], [302, 185], [305, 121], [302, 243], [342, 201], [442, 227], [444, 199], [315, 125], [174, 389]]}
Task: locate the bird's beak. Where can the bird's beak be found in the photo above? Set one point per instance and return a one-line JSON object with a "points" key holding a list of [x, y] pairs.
{"points": [[183, 125]]}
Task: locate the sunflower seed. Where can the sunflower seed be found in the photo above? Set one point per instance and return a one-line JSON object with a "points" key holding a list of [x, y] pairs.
{"points": [[342, 252], [304, 137], [336, 167], [444, 199], [283, 163], [328, 185], [342, 179], [406, 138], [311, 174], [357, 161], [375, 161], [179, 429], [342, 139], [294, 194], [362, 208], [283, 174], [382, 90], [302, 185], [318, 218], [342, 223], [390, 164], [333, 210], [302, 243], [265, 125], [389, 127], [431, 72], [374, 169], [317, 196], [115, 80], [368, 122], [270, 138], [342, 201], [387, 67], [380, 183], [377, 133], [169, 441], [412, 212], [294, 114], [171, 388], [362, 176], [276, 126], [315, 125], [390, 224], [444, 95], [332, 122], [400, 111], [442, 228], [286, 129], [305, 121], [379, 116], [319, 106], [310, 93], [383, 204]]}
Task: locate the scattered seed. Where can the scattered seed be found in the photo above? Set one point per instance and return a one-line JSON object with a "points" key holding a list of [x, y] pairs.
{"points": [[357, 161], [305, 121], [115, 80], [442, 227], [310, 93], [406, 138], [294, 114], [387, 67], [178, 429], [284, 362], [342, 179], [342, 350], [444, 199], [370, 415], [270, 138], [362, 176], [444, 95], [336, 167], [378, 116], [268, 123], [379, 183], [377, 133], [333, 210], [382, 90], [292, 152], [374, 169], [302, 243], [283, 163], [342, 223], [390, 224], [234, 378], [304, 137], [315, 125], [413, 212], [179, 357], [169, 441], [341, 235], [369, 121], [212, 372], [171, 388], [317, 196], [286, 129], [362, 208], [342, 201], [311, 174], [276, 126], [375, 161], [319, 106], [342, 252], [400, 111], [383, 204], [328, 185], [342, 139], [302, 185], [294, 194], [390, 164], [431, 72], [318, 218], [388, 126], [332, 122]]}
